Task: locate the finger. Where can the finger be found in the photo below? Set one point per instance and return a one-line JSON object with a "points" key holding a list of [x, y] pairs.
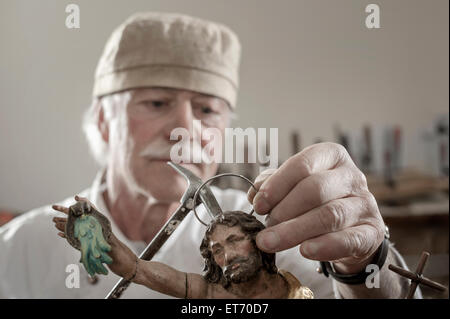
{"points": [[84, 199], [62, 235], [80, 199], [62, 209], [258, 182], [60, 226], [353, 242], [59, 219], [331, 217], [313, 159], [316, 190]]}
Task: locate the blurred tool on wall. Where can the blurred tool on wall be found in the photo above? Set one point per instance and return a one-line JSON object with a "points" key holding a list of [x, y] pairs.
{"points": [[436, 141], [392, 148], [367, 150], [296, 145], [343, 139]]}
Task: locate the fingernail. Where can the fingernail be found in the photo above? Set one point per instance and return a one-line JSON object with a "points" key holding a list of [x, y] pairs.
{"points": [[250, 192], [270, 221], [260, 177], [260, 203], [311, 249], [269, 240]]}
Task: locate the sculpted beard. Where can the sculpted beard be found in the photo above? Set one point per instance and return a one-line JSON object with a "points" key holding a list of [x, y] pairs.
{"points": [[243, 269]]}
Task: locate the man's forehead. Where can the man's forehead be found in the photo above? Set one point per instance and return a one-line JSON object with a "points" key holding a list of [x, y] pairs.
{"points": [[222, 232], [136, 93]]}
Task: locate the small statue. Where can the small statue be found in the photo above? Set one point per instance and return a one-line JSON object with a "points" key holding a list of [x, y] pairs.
{"points": [[234, 266], [88, 231]]}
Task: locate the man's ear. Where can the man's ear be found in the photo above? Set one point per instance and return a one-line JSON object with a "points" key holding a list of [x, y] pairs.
{"points": [[102, 124]]}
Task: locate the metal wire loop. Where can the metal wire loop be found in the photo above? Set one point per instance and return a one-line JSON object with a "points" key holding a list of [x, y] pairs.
{"points": [[210, 180]]}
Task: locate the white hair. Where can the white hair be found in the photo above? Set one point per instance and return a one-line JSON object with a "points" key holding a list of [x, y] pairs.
{"points": [[98, 147]]}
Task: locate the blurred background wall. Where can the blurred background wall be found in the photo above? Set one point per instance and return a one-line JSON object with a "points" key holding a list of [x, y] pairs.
{"points": [[306, 65]]}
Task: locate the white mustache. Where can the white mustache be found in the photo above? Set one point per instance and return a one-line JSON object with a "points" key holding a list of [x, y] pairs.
{"points": [[157, 150], [160, 150]]}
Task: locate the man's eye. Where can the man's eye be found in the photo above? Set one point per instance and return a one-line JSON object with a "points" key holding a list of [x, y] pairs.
{"points": [[207, 110], [234, 239], [158, 103], [154, 104], [217, 251]]}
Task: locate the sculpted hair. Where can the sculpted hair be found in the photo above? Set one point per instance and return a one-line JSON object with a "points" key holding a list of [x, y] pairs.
{"points": [[250, 226]]}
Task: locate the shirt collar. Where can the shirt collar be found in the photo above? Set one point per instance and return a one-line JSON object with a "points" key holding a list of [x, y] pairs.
{"points": [[96, 197]]}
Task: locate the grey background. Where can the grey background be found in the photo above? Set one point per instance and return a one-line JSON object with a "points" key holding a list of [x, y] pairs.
{"points": [[306, 65]]}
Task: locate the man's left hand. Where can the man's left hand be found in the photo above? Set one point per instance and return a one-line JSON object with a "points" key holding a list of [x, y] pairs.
{"points": [[319, 198]]}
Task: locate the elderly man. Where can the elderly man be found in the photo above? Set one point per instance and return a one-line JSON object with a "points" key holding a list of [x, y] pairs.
{"points": [[159, 72]]}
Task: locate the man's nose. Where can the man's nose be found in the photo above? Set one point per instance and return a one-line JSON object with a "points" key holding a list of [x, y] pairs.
{"points": [[181, 117], [229, 255]]}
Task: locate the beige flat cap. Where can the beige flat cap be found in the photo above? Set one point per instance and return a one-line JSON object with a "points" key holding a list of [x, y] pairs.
{"points": [[170, 50]]}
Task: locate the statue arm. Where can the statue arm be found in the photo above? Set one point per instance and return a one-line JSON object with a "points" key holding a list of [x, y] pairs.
{"points": [[155, 275], [169, 281]]}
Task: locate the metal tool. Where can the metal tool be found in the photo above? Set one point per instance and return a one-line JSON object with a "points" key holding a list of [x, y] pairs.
{"points": [[187, 204], [199, 190]]}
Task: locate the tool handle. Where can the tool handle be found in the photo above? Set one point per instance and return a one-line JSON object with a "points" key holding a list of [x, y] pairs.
{"points": [[152, 248]]}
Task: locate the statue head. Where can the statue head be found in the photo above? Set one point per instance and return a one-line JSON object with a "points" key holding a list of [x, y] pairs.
{"points": [[230, 252]]}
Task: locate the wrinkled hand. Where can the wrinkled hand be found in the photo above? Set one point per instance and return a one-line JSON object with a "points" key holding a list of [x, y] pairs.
{"points": [[319, 198]]}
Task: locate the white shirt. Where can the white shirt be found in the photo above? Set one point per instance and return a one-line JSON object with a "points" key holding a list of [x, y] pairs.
{"points": [[33, 259]]}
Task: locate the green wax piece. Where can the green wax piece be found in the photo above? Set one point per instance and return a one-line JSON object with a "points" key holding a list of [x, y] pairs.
{"points": [[94, 247]]}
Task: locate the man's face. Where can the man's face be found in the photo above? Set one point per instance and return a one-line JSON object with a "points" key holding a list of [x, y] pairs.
{"points": [[235, 253], [139, 137]]}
